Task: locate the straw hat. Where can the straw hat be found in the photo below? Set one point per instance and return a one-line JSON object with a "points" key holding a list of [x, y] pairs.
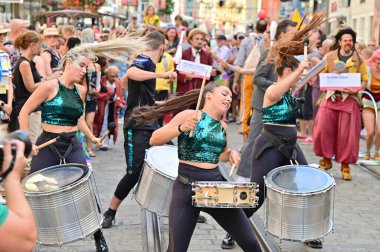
{"points": [[4, 29], [194, 32], [51, 32]]}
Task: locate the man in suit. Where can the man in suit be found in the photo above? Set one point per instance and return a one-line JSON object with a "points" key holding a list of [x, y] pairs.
{"points": [[195, 53]]}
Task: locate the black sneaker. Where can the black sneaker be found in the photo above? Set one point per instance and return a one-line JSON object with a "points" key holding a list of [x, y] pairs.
{"points": [[201, 219], [100, 242], [317, 244], [108, 219], [228, 242]]}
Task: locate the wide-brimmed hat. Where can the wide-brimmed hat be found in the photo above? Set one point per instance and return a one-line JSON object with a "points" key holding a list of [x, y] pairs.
{"points": [[51, 32], [4, 29], [345, 29], [194, 32]]}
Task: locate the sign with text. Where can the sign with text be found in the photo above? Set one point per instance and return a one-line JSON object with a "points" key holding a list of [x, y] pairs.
{"points": [[198, 70], [334, 81]]}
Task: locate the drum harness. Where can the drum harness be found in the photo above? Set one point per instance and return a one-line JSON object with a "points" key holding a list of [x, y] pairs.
{"points": [[280, 144], [63, 138]]}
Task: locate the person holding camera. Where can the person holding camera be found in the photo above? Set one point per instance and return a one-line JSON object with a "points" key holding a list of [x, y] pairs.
{"points": [[17, 226]]}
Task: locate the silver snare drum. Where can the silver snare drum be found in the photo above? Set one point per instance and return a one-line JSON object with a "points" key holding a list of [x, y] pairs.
{"points": [[300, 203], [63, 202], [160, 169]]}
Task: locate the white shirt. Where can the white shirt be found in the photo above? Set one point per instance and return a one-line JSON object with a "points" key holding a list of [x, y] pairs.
{"points": [[197, 55]]}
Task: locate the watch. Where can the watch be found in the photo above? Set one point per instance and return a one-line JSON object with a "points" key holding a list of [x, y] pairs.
{"points": [[2, 104]]}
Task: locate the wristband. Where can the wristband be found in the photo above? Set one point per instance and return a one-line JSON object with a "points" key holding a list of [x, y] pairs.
{"points": [[179, 129]]}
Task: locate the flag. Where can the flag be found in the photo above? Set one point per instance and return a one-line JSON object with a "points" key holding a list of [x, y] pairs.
{"points": [[297, 17]]}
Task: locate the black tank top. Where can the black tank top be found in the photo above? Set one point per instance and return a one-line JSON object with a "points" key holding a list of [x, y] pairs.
{"points": [[20, 92], [55, 58]]}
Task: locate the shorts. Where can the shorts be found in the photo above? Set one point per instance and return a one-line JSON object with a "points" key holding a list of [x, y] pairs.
{"points": [[368, 104], [91, 106]]}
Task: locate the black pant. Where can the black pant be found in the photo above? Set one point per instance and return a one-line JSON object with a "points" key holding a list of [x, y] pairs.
{"points": [[46, 157], [161, 96], [271, 158], [183, 216], [136, 142]]}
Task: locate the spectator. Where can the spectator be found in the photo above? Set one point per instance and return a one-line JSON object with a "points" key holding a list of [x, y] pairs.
{"points": [[6, 87], [51, 57], [18, 27], [133, 25], [110, 100], [172, 37], [151, 20], [178, 24]]}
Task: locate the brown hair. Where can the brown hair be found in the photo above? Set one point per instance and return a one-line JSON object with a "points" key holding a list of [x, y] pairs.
{"points": [[24, 40], [291, 44], [147, 9], [148, 114]]}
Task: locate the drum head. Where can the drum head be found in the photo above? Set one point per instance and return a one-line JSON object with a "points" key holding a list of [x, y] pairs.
{"points": [[299, 179], [54, 178], [164, 159]]}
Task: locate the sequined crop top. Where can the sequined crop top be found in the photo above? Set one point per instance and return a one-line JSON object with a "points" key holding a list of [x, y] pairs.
{"points": [[206, 145], [64, 109], [285, 111]]}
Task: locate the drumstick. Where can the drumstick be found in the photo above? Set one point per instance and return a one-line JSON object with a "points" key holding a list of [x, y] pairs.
{"points": [[110, 128], [199, 100], [305, 45], [47, 143], [232, 169]]}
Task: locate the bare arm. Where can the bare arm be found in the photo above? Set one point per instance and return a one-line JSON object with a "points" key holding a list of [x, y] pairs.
{"points": [[47, 59], [137, 74], [18, 233], [229, 155], [27, 77], [275, 92], [169, 131], [42, 94], [40, 65]]}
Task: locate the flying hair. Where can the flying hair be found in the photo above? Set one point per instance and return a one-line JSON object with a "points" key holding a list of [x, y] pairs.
{"points": [[292, 44]]}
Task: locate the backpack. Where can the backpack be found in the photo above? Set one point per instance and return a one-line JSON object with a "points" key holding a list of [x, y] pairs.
{"points": [[255, 54]]}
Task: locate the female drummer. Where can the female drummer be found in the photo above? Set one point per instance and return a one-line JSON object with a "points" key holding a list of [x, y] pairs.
{"points": [[61, 102], [198, 161], [62, 108]]}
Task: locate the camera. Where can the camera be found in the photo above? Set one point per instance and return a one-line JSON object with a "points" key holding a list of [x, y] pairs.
{"points": [[20, 135]]}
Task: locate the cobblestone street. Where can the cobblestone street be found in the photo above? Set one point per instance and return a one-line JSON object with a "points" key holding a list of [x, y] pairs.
{"points": [[357, 215]]}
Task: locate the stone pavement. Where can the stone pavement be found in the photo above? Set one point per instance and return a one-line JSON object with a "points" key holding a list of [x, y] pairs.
{"points": [[357, 211]]}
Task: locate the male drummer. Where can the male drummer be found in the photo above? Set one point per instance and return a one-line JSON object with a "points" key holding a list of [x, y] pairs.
{"points": [[141, 81]]}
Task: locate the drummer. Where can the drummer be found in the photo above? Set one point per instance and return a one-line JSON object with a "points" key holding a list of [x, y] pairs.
{"points": [[61, 102], [277, 143], [198, 161]]}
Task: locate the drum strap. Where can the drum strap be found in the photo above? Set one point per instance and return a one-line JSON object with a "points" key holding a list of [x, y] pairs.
{"points": [[279, 144], [183, 179], [62, 159]]}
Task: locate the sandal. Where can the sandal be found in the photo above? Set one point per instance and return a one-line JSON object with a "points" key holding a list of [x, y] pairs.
{"points": [[325, 164], [91, 153]]}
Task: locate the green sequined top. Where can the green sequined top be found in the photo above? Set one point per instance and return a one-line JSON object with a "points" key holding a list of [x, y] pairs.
{"points": [[206, 145], [64, 109], [286, 111]]}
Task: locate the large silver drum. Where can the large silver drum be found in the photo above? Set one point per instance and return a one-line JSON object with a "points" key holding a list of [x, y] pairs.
{"points": [[300, 203], [63, 202], [154, 189]]}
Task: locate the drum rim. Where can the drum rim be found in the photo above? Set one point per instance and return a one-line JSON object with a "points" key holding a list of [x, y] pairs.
{"points": [[64, 188], [283, 191], [152, 166]]}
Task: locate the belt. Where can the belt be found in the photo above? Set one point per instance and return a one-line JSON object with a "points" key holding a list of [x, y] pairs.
{"points": [[280, 143]]}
